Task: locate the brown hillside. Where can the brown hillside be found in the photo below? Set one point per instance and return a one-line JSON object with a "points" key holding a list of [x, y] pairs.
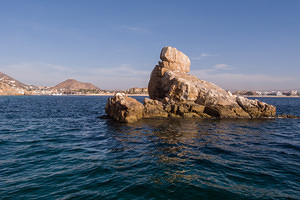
{"points": [[72, 84], [11, 81], [10, 86]]}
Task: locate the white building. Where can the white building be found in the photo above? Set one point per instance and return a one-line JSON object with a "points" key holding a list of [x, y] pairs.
{"points": [[293, 92]]}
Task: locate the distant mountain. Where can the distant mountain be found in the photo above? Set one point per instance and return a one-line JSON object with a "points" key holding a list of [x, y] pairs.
{"points": [[10, 86], [74, 85]]}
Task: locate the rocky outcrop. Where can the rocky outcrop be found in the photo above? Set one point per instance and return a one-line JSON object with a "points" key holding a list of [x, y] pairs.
{"points": [[124, 109], [286, 116], [171, 60], [255, 108], [154, 109], [175, 93]]}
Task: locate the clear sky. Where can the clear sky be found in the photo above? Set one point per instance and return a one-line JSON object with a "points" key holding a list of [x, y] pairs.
{"points": [[242, 44]]}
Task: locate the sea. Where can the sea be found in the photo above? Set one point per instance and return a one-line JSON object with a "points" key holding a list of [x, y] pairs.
{"points": [[57, 147]]}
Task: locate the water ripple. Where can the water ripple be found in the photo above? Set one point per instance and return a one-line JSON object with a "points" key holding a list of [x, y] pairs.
{"points": [[63, 151]]}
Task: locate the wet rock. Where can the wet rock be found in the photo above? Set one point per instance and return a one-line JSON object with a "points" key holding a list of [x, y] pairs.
{"points": [[154, 109], [285, 116]]}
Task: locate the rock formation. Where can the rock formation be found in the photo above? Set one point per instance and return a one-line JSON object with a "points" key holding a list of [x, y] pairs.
{"points": [[175, 93], [124, 109]]}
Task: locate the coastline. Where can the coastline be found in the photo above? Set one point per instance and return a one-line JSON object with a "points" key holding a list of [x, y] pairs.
{"points": [[268, 96], [107, 94], [146, 95]]}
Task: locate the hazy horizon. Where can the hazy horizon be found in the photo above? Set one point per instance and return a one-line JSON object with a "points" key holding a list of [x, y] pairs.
{"points": [[232, 89], [251, 45]]}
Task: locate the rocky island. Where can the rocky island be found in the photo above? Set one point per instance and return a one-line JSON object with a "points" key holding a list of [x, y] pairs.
{"points": [[175, 93]]}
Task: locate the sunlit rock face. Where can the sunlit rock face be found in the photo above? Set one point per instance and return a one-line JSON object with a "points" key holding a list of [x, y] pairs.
{"points": [[175, 93], [174, 60], [124, 109]]}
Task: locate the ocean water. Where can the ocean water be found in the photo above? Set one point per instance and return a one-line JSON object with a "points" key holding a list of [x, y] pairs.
{"points": [[57, 148]]}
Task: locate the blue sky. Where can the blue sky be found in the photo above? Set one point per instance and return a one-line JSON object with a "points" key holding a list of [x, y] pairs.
{"points": [[249, 44]]}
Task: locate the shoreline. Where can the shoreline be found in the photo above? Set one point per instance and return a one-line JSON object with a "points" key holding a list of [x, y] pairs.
{"points": [[142, 95], [146, 95]]}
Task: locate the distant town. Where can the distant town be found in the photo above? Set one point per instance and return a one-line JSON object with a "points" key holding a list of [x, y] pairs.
{"points": [[10, 86], [279, 93]]}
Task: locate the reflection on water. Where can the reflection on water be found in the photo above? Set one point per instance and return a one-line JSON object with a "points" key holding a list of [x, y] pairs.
{"points": [[207, 153]]}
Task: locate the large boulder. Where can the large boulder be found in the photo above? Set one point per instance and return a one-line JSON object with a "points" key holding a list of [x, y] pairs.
{"points": [[124, 109], [171, 59], [255, 108], [175, 60]]}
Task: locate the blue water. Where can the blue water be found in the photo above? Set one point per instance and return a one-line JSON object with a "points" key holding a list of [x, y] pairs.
{"points": [[57, 148]]}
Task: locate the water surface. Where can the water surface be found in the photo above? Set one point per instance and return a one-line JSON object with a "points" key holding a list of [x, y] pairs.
{"points": [[57, 148]]}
